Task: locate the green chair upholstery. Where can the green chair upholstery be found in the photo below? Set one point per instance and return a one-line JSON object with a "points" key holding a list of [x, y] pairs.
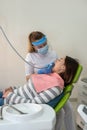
{"points": [[77, 75], [60, 100], [67, 90]]}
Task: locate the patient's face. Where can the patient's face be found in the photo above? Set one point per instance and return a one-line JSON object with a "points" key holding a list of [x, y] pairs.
{"points": [[59, 65]]}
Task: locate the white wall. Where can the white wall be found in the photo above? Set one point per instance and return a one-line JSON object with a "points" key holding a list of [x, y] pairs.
{"points": [[63, 21]]}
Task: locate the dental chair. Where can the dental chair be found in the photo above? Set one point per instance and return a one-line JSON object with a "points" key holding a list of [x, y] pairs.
{"points": [[60, 101], [37, 116]]}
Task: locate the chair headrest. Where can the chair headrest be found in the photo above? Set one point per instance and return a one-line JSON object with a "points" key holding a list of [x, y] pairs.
{"points": [[77, 75]]}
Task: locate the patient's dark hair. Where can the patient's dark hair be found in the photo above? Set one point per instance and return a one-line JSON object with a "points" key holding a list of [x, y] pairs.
{"points": [[70, 71]]}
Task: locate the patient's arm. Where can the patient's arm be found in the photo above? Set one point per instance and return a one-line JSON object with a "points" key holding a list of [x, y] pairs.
{"points": [[42, 97], [6, 91]]}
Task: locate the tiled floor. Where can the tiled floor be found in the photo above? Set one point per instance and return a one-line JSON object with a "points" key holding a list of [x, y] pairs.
{"points": [[74, 104], [75, 112]]}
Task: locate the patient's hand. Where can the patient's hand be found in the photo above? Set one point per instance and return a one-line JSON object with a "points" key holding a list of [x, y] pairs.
{"points": [[7, 91]]}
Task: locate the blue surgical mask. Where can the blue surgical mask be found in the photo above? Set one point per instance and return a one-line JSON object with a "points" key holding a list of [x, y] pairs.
{"points": [[43, 50]]}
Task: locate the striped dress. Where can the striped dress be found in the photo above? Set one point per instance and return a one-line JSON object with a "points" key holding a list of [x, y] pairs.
{"points": [[27, 94]]}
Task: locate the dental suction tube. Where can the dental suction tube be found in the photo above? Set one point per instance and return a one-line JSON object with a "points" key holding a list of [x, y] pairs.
{"points": [[29, 63]]}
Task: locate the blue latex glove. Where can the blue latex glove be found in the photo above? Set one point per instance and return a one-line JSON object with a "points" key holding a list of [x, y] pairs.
{"points": [[47, 69]]}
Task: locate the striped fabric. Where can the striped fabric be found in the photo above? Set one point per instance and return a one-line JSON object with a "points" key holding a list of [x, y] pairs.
{"points": [[27, 94]]}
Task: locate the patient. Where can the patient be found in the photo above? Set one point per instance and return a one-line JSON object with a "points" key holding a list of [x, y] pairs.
{"points": [[42, 88]]}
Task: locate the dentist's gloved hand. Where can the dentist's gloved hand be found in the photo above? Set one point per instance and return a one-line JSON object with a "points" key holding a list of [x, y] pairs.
{"points": [[47, 69]]}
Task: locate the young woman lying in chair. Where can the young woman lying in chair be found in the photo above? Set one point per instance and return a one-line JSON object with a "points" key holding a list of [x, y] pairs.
{"points": [[41, 88]]}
